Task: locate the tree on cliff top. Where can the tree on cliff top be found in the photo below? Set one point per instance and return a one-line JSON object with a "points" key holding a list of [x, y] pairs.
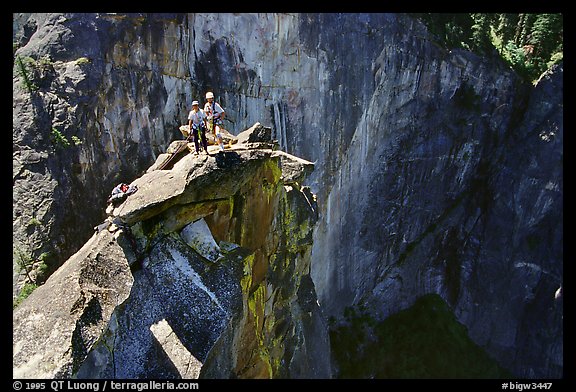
{"points": [[530, 43]]}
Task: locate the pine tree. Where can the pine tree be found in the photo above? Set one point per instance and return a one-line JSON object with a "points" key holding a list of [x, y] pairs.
{"points": [[480, 39], [544, 35], [506, 27], [530, 43]]}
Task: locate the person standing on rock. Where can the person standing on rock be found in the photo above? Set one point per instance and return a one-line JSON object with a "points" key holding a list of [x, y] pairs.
{"points": [[197, 127], [215, 115]]}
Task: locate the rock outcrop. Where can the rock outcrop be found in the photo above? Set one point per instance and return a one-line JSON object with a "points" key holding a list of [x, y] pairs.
{"points": [[204, 271], [55, 328]]}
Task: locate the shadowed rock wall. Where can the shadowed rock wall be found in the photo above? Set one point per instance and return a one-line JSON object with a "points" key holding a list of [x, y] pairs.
{"points": [[437, 171]]}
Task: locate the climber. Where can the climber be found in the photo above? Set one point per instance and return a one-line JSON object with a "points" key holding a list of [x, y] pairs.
{"points": [[215, 115], [120, 192], [197, 127]]}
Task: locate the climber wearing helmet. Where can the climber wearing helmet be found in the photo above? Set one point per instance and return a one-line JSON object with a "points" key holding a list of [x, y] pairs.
{"points": [[215, 115], [197, 127]]}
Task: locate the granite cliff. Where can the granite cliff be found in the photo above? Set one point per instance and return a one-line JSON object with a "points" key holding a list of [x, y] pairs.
{"points": [[436, 170]]}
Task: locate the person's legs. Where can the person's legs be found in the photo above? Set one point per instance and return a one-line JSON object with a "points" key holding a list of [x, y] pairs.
{"points": [[195, 139], [219, 137], [203, 139]]}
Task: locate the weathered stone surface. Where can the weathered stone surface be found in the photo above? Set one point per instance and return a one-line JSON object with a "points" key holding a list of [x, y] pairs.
{"points": [[83, 65], [197, 235], [186, 364], [227, 137], [256, 133], [294, 169], [175, 284], [180, 215], [279, 311], [55, 328], [189, 181], [439, 204]]}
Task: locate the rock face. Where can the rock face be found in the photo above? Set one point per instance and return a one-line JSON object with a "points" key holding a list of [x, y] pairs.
{"points": [[55, 328], [94, 79], [462, 198], [437, 171], [219, 249], [450, 187]]}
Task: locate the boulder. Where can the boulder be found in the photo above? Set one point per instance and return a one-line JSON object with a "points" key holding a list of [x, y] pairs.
{"points": [[256, 133], [198, 236]]}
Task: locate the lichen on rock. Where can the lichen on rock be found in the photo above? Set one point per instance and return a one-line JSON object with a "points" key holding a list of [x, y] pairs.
{"points": [[214, 247]]}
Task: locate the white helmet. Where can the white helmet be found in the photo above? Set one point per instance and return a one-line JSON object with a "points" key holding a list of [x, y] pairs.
{"points": [[195, 103], [209, 95]]}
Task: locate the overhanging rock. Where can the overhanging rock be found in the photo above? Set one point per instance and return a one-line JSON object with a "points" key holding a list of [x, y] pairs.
{"points": [[214, 248]]}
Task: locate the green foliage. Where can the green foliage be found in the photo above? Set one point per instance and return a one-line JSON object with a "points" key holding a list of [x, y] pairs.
{"points": [[26, 263], [58, 139], [44, 61], [423, 341], [34, 222], [555, 59], [480, 38], [61, 141], [44, 256], [76, 140], [24, 260], [27, 289], [23, 71], [83, 60], [526, 41], [518, 59]]}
